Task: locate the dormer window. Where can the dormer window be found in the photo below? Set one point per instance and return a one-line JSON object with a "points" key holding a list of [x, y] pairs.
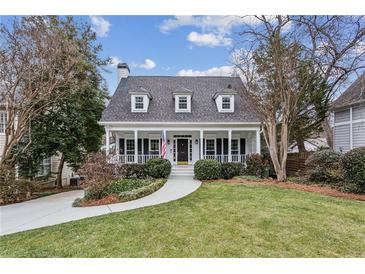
{"points": [[226, 103], [224, 100], [139, 103], [140, 100], [182, 97]]}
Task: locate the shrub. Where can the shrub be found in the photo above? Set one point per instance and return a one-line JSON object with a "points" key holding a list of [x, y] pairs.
{"points": [[323, 166], [142, 191], [352, 165], [11, 189], [229, 170], [158, 167], [207, 169], [133, 171], [123, 185], [256, 166], [99, 174]]}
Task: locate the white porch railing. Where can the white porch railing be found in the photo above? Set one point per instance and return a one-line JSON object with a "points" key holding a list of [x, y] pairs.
{"points": [[235, 158], [129, 159]]}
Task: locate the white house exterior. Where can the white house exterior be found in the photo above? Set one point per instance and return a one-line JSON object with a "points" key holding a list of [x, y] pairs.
{"points": [[193, 117], [349, 117]]}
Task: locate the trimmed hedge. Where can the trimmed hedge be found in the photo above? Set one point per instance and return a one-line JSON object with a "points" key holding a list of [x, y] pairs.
{"points": [[352, 165], [207, 169], [159, 168], [139, 171], [323, 166], [123, 185], [230, 170]]}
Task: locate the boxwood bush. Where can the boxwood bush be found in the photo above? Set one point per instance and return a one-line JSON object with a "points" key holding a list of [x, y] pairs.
{"points": [[159, 168], [323, 166], [207, 169], [139, 171], [352, 165], [230, 170], [123, 185]]}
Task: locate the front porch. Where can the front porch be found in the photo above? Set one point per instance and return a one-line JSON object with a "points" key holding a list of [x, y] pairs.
{"points": [[182, 146]]}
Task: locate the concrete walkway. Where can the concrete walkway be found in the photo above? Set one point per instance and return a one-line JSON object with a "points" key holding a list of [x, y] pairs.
{"points": [[57, 209]]}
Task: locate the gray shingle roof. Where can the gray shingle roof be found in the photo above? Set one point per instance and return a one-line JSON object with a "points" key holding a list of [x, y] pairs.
{"points": [[162, 106], [355, 94]]}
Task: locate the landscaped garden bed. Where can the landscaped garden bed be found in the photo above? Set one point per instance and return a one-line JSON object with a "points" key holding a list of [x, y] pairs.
{"points": [[122, 190]]}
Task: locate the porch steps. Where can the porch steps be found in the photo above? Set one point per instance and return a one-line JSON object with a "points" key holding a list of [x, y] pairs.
{"points": [[182, 171]]}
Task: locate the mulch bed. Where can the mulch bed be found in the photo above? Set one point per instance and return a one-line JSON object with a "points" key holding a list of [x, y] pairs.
{"points": [[324, 190], [110, 199]]}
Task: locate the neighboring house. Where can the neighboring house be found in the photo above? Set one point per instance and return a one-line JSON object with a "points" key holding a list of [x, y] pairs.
{"points": [[349, 117], [47, 166], [183, 119]]}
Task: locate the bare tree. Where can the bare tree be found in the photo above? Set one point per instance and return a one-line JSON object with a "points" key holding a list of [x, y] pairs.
{"points": [[273, 52], [38, 64]]}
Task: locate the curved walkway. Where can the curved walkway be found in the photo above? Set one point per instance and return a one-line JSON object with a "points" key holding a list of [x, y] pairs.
{"points": [[57, 209]]}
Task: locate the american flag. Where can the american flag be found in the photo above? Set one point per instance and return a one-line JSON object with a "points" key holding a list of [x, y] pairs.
{"points": [[163, 145]]}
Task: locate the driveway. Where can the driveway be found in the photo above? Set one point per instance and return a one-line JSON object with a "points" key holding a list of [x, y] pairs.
{"points": [[57, 209]]}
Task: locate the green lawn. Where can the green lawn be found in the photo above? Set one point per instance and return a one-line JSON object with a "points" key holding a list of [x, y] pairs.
{"points": [[218, 220]]}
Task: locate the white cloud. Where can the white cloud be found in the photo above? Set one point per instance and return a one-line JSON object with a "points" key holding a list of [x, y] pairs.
{"points": [[215, 71], [148, 64], [208, 39], [221, 24], [115, 60], [100, 25]]}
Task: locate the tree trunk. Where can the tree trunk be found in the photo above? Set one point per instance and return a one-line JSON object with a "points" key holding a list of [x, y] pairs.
{"points": [[59, 171], [300, 144], [328, 131]]}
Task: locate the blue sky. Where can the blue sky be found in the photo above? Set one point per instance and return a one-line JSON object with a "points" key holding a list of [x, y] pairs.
{"points": [[166, 45]]}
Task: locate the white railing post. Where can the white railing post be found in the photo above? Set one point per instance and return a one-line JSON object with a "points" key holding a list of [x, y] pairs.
{"points": [[135, 146], [229, 145], [201, 144], [107, 140], [258, 141]]}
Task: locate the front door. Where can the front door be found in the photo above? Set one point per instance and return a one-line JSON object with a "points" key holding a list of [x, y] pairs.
{"points": [[182, 151]]}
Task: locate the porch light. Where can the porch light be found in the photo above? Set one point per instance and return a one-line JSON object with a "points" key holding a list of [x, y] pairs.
{"points": [[196, 141]]}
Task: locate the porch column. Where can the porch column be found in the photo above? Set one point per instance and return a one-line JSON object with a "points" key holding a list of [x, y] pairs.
{"points": [[258, 141], [164, 143], [201, 144], [229, 145], [136, 146], [107, 140]]}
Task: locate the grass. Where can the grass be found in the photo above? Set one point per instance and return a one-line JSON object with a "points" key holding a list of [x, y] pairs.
{"points": [[218, 220]]}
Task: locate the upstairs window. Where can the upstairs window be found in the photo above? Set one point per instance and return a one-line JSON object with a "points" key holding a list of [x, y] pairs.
{"points": [[226, 103], [3, 122], [182, 103], [139, 102]]}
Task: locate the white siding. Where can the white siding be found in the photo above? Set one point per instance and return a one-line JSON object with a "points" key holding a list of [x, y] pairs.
{"points": [[358, 113], [342, 138], [358, 134], [2, 142], [342, 116]]}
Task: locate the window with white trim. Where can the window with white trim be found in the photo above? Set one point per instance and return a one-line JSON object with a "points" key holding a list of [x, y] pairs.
{"points": [[130, 147], [139, 102], [234, 147], [210, 146], [3, 121], [226, 103], [154, 146], [182, 103]]}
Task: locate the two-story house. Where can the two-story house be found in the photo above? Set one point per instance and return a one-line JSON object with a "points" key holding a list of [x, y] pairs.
{"points": [[182, 119]]}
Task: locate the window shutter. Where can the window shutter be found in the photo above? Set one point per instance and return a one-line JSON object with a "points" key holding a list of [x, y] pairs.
{"points": [[219, 146], [225, 146], [139, 146], [242, 146], [145, 147], [121, 147]]}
